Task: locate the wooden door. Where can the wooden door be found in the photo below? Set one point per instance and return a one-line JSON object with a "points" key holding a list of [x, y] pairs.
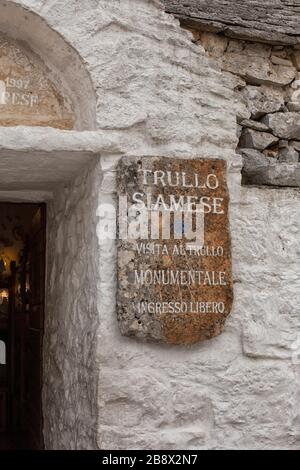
{"points": [[35, 282]]}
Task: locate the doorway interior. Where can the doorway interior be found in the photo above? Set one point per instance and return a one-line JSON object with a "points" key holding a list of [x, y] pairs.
{"points": [[22, 298]]}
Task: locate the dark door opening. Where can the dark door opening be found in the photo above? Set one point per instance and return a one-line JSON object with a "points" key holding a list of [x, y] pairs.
{"points": [[22, 294]]}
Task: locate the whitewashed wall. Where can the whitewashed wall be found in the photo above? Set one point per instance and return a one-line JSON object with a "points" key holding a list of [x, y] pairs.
{"points": [[157, 94], [71, 365]]}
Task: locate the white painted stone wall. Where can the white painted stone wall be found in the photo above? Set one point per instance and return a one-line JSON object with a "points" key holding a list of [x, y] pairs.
{"points": [[71, 363], [158, 94]]}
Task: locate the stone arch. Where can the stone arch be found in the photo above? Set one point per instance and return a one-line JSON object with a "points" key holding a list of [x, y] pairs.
{"points": [[69, 84]]}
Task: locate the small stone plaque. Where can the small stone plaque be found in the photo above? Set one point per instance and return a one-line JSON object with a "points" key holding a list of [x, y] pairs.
{"points": [[174, 253], [28, 96]]}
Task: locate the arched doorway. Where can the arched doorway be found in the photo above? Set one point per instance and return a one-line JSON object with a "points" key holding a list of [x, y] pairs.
{"points": [[47, 98], [33, 95]]}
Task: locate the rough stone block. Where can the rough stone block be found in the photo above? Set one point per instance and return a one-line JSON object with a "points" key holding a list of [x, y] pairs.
{"points": [[281, 61], [261, 170], [293, 106], [296, 59], [255, 125], [273, 153], [263, 100], [258, 140], [289, 155], [214, 45], [284, 174], [295, 144], [252, 63], [255, 166], [284, 125]]}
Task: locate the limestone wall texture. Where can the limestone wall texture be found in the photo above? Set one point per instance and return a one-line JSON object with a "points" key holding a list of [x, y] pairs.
{"points": [[275, 22], [269, 140], [157, 93], [71, 368]]}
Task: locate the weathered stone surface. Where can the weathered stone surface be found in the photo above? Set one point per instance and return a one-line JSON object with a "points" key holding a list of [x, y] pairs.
{"points": [[169, 291], [214, 45], [271, 152], [255, 166], [283, 144], [284, 125], [255, 125], [296, 83], [262, 100], [239, 130], [295, 144], [296, 59], [285, 174], [252, 62], [70, 341], [27, 95], [242, 112], [255, 139], [281, 61], [293, 106], [288, 154], [293, 96], [261, 170], [276, 23], [269, 332]]}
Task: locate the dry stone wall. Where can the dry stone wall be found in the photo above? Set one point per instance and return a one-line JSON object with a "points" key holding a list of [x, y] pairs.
{"points": [[269, 86]]}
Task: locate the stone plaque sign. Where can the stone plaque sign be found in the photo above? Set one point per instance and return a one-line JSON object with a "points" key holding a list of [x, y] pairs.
{"points": [[27, 94], [174, 254]]}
